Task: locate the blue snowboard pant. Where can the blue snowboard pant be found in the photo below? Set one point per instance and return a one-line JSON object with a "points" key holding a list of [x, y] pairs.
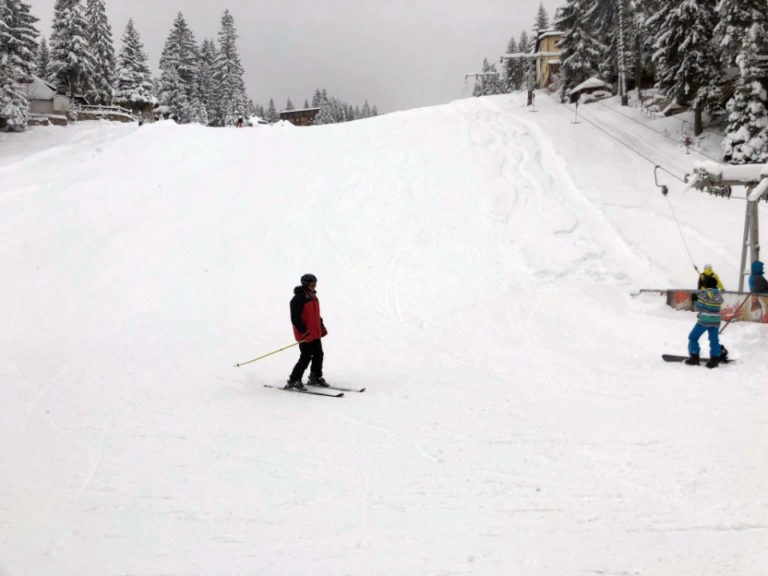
{"points": [[714, 339]]}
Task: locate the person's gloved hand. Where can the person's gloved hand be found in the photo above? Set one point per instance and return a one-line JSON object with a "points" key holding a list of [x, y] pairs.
{"points": [[307, 337], [325, 331]]}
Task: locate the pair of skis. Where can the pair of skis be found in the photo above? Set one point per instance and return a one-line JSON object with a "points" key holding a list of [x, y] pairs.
{"points": [[333, 391]]}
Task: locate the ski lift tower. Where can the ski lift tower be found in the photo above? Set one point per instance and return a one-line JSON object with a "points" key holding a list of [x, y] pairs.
{"points": [[718, 179]]}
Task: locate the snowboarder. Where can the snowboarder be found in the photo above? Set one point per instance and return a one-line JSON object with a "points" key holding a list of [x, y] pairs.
{"points": [[709, 272], [708, 302], [308, 329], [757, 282]]}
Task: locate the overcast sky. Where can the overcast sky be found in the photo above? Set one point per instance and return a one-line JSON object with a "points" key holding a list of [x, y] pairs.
{"points": [[397, 54]]}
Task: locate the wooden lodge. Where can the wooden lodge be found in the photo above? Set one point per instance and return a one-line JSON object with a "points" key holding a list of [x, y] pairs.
{"points": [[303, 117]]}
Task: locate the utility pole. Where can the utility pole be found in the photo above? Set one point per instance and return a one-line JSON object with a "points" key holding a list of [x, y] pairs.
{"points": [[621, 55]]}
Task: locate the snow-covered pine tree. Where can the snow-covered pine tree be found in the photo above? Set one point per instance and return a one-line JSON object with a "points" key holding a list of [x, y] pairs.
{"points": [[542, 20], [616, 42], [133, 86], [199, 94], [688, 68], [230, 85], [18, 46], [206, 99], [317, 99], [178, 66], [325, 116], [271, 113], [643, 38], [306, 103], [513, 71], [528, 69], [19, 38], [102, 50], [580, 48], [524, 44], [71, 61], [289, 105], [43, 61], [742, 29]]}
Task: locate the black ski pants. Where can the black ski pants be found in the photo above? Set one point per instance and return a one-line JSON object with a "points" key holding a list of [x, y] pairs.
{"points": [[310, 352]]}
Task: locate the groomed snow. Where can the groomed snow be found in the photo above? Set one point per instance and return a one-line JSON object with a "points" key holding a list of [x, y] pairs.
{"points": [[475, 264]]}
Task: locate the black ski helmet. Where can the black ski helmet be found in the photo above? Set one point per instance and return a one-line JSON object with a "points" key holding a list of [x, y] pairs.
{"points": [[307, 279]]}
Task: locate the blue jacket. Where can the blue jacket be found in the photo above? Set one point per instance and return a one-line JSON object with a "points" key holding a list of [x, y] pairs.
{"points": [[757, 282]]}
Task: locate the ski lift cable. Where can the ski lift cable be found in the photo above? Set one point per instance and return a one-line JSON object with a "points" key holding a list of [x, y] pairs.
{"points": [[682, 236], [636, 121], [620, 141], [657, 166]]}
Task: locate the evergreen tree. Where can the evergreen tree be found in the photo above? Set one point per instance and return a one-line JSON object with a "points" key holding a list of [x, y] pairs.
{"points": [[230, 86], [133, 86], [580, 49], [524, 44], [542, 20], [178, 66], [317, 99], [644, 38], [206, 87], [603, 21], [17, 61], [43, 60], [489, 83], [513, 70], [102, 51], [18, 39], [325, 116], [289, 105], [271, 113], [71, 61], [306, 103], [742, 27], [689, 71]]}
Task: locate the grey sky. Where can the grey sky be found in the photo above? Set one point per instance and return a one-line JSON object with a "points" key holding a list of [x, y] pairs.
{"points": [[397, 54]]}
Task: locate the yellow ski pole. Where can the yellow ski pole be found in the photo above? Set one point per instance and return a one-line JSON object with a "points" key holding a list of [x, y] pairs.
{"points": [[270, 354]]}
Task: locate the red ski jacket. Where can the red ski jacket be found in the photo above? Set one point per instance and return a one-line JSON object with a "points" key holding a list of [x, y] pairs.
{"points": [[305, 315]]}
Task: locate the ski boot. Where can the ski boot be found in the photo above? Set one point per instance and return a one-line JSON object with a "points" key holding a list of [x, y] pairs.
{"points": [[713, 362], [295, 384], [693, 360], [315, 380]]}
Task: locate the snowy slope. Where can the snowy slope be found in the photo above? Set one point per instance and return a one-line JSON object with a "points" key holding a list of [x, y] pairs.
{"points": [[475, 262]]}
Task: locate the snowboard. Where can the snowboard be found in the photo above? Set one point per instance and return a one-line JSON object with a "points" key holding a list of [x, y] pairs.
{"points": [[676, 358]]}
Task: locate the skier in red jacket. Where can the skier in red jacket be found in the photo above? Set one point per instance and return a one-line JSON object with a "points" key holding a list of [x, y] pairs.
{"points": [[308, 329]]}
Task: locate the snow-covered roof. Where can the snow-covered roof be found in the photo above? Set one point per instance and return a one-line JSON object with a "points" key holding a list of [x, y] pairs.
{"points": [[299, 110], [39, 89], [548, 33], [591, 84]]}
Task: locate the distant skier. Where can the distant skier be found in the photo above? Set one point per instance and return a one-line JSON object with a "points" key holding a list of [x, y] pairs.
{"points": [[308, 329], [708, 272], [708, 302], [757, 282], [239, 123]]}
